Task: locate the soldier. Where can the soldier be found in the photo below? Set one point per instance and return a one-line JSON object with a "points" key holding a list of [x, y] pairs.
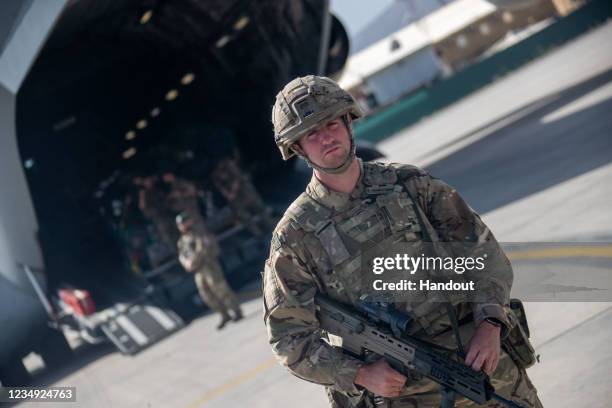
{"points": [[133, 232], [198, 254], [183, 197], [350, 207], [242, 196], [152, 203]]}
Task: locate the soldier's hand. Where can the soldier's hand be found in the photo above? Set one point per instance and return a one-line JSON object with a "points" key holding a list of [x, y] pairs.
{"points": [[380, 379], [188, 266], [483, 349]]}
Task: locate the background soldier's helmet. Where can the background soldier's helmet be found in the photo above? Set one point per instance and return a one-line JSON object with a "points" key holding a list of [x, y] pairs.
{"points": [[182, 218], [303, 104]]}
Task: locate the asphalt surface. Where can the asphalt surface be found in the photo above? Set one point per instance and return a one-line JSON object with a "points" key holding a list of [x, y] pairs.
{"points": [[531, 153]]}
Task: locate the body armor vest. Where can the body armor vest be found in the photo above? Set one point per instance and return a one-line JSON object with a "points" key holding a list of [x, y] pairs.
{"points": [[386, 216]]}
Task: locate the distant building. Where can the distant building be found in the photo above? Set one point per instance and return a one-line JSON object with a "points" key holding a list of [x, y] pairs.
{"points": [[444, 40], [399, 14], [407, 57], [564, 7], [463, 45]]}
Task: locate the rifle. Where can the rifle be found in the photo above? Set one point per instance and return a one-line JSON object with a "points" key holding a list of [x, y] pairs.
{"points": [[382, 330]]}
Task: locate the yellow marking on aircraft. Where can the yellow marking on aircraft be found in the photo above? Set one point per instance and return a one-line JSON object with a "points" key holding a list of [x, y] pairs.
{"points": [[563, 252], [234, 382]]}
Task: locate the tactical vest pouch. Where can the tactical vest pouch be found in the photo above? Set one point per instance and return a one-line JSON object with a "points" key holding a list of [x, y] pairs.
{"points": [[517, 343], [332, 243], [400, 212], [363, 226]]}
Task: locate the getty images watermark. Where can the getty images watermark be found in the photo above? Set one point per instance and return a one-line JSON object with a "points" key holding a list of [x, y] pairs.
{"points": [[407, 265], [481, 271]]}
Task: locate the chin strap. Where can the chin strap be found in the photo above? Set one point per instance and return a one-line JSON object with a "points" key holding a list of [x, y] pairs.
{"points": [[347, 162]]}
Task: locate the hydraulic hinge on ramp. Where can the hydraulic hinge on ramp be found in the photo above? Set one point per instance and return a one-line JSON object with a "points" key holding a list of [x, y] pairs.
{"points": [[139, 326]]}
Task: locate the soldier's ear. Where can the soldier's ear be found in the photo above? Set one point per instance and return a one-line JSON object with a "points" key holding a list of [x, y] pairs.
{"points": [[297, 148]]}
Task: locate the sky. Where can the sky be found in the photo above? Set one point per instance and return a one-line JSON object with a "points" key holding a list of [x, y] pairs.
{"points": [[355, 14]]}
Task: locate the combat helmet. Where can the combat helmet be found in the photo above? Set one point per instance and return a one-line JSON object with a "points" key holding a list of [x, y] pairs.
{"points": [[182, 218], [305, 103]]}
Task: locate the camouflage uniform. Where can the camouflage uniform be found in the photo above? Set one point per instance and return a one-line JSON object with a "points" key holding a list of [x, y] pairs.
{"points": [[153, 206], [183, 197], [198, 254], [242, 196], [308, 257]]}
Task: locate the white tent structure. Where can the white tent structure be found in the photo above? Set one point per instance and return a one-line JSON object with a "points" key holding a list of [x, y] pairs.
{"points": [[406, 59]]}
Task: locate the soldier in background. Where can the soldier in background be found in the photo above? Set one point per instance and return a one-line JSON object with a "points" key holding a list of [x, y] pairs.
{"points": [[182, 197], [242, 196], [132, 227], [198, 254], [152, 202]]}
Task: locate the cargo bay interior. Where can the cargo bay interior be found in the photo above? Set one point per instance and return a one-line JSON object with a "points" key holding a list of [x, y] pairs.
{"points": [[139, 87]]}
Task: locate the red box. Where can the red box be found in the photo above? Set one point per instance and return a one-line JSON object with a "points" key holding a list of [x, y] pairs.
{"points": [[79, 300]]}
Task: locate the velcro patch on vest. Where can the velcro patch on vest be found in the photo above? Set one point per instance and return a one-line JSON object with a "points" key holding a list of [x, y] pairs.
{"points": [[358, 218], [380, 189], [379, 174], [332, 244], [363, 226], [400, 211]]}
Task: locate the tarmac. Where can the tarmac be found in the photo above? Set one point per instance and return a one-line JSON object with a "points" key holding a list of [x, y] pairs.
{"points": [[532, 153]]}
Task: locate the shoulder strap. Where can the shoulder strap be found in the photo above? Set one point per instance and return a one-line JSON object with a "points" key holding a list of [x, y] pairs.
{"points": [[402, 174], [424, 230]]}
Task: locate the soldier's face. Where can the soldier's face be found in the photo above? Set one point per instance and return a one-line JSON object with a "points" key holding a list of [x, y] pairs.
{"points": [[148, 182], [184, 226], [328, 145]]}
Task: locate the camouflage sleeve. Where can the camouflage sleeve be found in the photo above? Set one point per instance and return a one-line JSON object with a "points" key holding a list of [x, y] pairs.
{"points": [[293, 328], [210, 244], [455, 222], [184, 258], [191, 258], [200, 251]]}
